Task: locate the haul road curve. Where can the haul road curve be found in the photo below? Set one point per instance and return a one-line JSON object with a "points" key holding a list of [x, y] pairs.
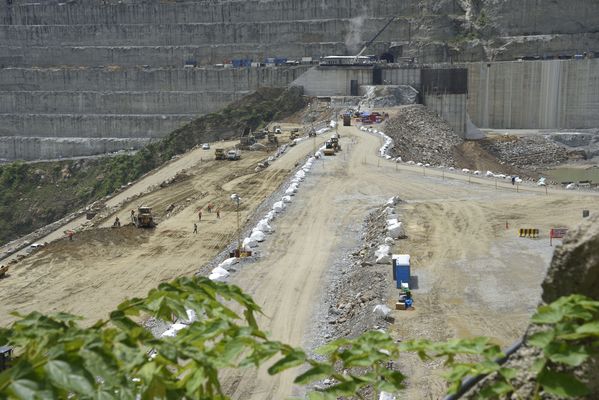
{"points": [[463, 255]]}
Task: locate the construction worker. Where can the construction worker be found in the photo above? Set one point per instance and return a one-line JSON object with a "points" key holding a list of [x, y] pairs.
{"points": [[200, 215], [218, 213], [195, 228], [210, 207], [117, 223], [70, 235]]}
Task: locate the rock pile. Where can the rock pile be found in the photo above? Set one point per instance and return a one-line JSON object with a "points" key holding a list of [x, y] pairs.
{"points": [[526, 152], [420, 135]]}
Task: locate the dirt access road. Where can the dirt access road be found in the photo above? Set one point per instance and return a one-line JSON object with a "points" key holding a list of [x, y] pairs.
{"points": [[90, 275], [475, 277]]}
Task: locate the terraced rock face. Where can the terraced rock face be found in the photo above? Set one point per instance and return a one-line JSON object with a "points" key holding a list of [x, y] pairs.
{"points": [[107, 69]]}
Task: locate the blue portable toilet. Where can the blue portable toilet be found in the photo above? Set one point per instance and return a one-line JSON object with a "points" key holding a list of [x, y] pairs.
{"points": [[401, 269]]}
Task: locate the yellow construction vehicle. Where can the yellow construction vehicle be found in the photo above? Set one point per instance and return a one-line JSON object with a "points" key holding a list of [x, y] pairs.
{"points": [[144, 218], [219, 154], [329, 148]]}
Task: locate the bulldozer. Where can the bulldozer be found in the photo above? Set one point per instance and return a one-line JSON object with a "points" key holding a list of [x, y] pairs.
{"points": [[219, 154], [144, 218], [335, 143], [329, 149]]}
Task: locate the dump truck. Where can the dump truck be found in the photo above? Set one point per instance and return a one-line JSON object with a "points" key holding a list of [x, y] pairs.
{"points": [[233, 155], [219, 154], [144, 218]]}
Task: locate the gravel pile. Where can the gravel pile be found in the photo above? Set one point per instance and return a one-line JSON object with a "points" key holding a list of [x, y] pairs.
{"points": [[420, 135], [526, 152]]}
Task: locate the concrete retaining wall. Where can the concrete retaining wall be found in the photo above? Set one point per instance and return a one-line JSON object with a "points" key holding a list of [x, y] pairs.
{"points": [[86, 102], [91, 125], [534, 94], [451, 107], [35, 148]]}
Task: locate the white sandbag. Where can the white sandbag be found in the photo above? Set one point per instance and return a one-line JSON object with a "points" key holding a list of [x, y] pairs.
{"points": [[389, 240], [300, 174], [258, 236], [278, 207], [477, 172], [249, 243], [419, 164], [383, 254], [270, 216], [290, 192], [381, 310], [228, 263], [392, 221], [489, 174], [286, 199], [451, 168], [541, 182], [427, 165], [571, 186], [518, 180], [263, 226], [218, 274], [396, 231], [466, 170], [392, 201], [410, 162], [389, 210]]}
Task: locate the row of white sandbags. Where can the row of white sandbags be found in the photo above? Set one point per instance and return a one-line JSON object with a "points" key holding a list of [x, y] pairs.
{"points": [[388, 141], [394, 231]]}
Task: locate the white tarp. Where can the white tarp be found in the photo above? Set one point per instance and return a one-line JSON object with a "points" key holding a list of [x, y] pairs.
{"points": [[173, 329], [386, 396]]}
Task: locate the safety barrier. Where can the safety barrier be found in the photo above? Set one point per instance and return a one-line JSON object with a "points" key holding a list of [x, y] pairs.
{"points": [[529, 232]]}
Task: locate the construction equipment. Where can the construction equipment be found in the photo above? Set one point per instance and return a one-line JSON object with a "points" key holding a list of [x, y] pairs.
{"points": [[272, 138], [246, 139], [312, 132], [144, 218], [3, 271], [219, 154], [346, 120], [335, 142], [329, 148], [233, 155], [5, 357], [373, 39]]}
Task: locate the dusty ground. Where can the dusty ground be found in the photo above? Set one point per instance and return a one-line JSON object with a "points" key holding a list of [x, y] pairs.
{"points": [[99, 268], [474, 276]]}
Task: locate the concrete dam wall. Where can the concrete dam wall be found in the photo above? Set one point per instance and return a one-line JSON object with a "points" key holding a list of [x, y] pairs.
{"points": [[551, 94]]}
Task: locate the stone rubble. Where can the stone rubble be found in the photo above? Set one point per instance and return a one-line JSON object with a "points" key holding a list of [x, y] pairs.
{"points": [[530, 152], [421, 135]]}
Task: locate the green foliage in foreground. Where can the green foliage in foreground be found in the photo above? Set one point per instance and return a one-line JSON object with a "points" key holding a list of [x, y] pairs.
{"points": [[118, 358]]}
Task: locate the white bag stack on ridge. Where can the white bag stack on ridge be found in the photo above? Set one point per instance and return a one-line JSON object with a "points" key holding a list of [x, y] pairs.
{"points": [[381, 310], [489, 174], [286, 199], [389, 240], [386, 396], [228, 263], [396, 231], [383, 254], [393, 201], [290, 191], [258, 236], [218, 274], [278, 207], [263, 226], [249, 243]]}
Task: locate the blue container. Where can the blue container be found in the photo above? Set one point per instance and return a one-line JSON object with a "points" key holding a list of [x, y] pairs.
{"points": [[401, 269]]}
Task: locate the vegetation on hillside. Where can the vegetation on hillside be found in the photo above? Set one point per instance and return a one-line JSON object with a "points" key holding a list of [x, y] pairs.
{"points": [[36, 194], [118, 358]]}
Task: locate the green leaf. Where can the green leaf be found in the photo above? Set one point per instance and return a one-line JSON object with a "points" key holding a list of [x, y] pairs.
{"points": [[291, 360], [548, 315], [68, 376], [24, 388], [508, 373], [562, 384], [496, 390], [538, 365], [590, 328], [315, 373], [541, 339], [566, 354]]}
